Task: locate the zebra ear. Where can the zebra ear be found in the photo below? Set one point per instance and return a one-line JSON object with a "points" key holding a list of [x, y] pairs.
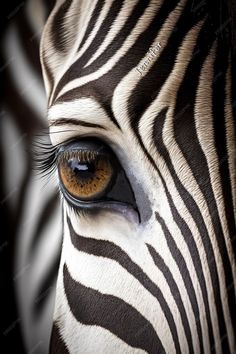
{"points": [[58, 41]]}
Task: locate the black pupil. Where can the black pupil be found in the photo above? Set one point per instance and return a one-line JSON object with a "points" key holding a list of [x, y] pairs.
{"points": [[83, 170]]}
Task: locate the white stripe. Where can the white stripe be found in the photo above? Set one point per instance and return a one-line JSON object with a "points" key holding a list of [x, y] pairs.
{"points": [[27, 82]]}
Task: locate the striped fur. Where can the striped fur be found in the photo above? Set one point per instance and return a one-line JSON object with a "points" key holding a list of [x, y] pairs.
{"points": [[166, 284]]}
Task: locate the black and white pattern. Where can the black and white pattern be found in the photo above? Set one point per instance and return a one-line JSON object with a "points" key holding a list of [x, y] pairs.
{"points": [[153, 80], [166, 284]]}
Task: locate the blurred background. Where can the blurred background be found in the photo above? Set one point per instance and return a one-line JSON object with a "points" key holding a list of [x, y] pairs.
{"points": [[29, 208], [11, 339]]}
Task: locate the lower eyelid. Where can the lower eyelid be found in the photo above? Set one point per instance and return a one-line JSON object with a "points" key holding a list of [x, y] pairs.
{"points": [[92, 209]]}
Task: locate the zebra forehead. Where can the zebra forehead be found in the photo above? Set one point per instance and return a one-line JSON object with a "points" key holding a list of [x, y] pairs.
{"points": [[110, 41]]}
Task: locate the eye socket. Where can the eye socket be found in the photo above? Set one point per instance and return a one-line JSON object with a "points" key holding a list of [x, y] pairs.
{"points": [[90, 174]]}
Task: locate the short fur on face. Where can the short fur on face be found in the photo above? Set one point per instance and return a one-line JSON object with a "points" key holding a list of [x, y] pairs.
{"points": [[167, 283]]}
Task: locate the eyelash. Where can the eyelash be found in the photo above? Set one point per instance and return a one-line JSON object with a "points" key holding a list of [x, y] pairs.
{"points": [[45, 155]]}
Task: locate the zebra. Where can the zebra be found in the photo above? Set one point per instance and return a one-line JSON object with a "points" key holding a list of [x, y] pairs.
{"points": [[141, 107], [145, 164]]}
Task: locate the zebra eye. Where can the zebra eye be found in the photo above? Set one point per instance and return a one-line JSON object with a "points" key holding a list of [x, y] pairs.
{"points": [[89, 173], [85, 174]]}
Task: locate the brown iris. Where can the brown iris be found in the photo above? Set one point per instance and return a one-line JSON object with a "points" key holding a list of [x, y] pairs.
{"points": [[85, 175]]}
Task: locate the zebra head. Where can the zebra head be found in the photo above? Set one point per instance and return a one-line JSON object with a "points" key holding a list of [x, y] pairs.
{"points": [[140, 109]]}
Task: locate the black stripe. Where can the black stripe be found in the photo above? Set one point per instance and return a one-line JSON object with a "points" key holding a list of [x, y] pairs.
{"points": [[57, 345], [108, 249], [58, 32], [158, 260], [93, 308], [96, 12]]}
